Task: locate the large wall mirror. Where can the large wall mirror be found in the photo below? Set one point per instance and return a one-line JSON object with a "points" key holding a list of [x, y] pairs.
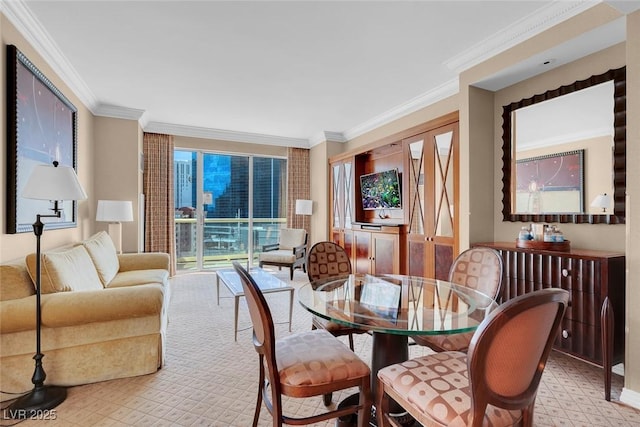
{"points": [[563, 150]]}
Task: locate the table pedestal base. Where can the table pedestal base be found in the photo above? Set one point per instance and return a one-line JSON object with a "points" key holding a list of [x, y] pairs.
{"points": [[387, 349]]}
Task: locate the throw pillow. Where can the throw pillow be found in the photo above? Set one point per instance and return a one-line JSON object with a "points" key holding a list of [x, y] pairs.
{"points": [[104, 256], [68, 270]]}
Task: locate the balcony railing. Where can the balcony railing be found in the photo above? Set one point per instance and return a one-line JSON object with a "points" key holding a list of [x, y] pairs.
{"points": [[224, 240]]}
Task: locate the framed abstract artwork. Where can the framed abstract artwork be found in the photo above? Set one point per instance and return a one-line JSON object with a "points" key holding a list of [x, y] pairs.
{"points": [[41, 129], [551, 184]]}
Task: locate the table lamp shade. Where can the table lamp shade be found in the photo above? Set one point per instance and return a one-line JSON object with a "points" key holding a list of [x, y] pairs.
{"points": [[48, 182], [304, 207], [601, 201], [114, 211]]}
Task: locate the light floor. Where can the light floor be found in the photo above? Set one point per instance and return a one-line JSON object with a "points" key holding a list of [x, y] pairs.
{"points": [[210, 380]]}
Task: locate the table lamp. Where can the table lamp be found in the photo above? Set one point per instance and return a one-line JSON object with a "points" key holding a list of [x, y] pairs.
{"points": [[115, 212], [55, 183], [601, 201]]}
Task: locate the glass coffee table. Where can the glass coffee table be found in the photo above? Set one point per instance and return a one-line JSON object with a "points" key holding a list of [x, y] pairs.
{"points": [[266, 281]]}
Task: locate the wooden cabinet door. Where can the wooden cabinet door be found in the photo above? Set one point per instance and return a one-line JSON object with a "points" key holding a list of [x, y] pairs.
{"points": [[361, 262], [384, 256], [341, 199], [431, 162]]}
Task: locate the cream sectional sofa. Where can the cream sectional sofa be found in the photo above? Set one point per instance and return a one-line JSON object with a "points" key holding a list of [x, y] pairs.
{"points": [[104, 315]]}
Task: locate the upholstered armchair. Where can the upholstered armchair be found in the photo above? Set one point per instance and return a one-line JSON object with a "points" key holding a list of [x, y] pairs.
{"points": [[290, 251]]}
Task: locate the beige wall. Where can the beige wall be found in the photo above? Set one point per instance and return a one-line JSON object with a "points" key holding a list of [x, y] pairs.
{"points": [[16, 246], [117, 172], [631, 391]]}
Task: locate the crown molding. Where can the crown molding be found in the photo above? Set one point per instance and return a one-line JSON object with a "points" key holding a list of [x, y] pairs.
{"points": [[520, 30], [326, 136], [118, 112], [225, 135], [439, 93], [21, 17]]}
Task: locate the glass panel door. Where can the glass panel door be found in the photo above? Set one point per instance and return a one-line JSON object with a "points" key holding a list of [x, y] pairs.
{"points": [[227, 207]]}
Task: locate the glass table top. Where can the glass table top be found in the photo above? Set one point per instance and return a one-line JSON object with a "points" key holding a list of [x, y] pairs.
{"points": [[266, 281], [404, 305]]}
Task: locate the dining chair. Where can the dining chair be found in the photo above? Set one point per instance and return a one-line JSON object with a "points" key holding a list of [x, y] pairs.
{"points": [[302, 365], [494, 383], [476, 268], [326, 260]]}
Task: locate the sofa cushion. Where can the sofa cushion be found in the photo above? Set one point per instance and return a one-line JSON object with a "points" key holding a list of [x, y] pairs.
{"points": [[15, 282], [104, 256], [65, 270], [139, 277]]}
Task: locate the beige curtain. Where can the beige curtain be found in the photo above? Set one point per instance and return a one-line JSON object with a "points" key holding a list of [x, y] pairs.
{"points": [[298, 183], [158, 191]]}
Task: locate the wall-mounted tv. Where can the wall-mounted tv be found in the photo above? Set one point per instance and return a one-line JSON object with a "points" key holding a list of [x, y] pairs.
{"points": [[380, 190]]}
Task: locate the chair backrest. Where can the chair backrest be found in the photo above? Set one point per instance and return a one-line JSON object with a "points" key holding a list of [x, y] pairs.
{"points": [[327, 259], [263, 329], [479, 269], [292, 237], [509, 350]]}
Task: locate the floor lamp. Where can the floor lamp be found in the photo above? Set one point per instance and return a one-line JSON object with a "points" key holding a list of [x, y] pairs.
{"points": [[53, 183], [304, 208]]}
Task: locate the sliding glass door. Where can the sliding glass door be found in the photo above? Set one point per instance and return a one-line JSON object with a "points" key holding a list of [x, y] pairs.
{"points": [[227, 207]]}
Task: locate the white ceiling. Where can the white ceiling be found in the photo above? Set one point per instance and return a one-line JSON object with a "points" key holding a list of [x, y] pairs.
{"points": [[288, 72]]}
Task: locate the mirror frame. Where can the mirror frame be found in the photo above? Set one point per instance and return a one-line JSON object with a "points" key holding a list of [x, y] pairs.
{"points": [[619, 170]]}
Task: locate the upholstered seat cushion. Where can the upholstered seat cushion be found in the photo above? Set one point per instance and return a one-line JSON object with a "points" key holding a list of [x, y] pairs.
{"points": [[333, 327], [447, 342], [280, 256], [138, 277], [316, 358], [438, 385]]}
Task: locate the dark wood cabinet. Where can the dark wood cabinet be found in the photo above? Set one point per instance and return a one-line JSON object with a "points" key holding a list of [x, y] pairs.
{"points": [[593, 325], [377, 249]]}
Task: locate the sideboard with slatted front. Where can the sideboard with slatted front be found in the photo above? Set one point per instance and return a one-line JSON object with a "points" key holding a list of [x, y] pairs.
{"points": [[593, 325]]}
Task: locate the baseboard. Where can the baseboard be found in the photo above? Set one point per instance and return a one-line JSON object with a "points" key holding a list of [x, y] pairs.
{"points": [[630, 397]]}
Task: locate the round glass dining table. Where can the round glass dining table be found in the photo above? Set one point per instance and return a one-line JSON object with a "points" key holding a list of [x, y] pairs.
{"points": [[394, 307]]}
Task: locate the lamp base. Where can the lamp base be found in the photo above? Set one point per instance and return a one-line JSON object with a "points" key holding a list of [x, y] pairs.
{"points": [[36, 403]]}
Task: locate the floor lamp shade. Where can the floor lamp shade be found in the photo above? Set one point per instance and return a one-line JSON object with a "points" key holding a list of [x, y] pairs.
{"points": [[115, 212], [304, 207], [54, 183]]}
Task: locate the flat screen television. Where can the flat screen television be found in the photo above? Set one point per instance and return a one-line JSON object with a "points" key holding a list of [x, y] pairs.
{"points": [[380, 190]]}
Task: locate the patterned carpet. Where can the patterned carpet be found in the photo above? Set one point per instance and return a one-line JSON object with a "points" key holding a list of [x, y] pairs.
{"points": [[210, 380]]}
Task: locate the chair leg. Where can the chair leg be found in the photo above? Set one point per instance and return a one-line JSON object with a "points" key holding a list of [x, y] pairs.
{"points": [[327, 398], [382, 406], [527, 416], [256, 413], [351, 342], [291, 272], [364, 414]]}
